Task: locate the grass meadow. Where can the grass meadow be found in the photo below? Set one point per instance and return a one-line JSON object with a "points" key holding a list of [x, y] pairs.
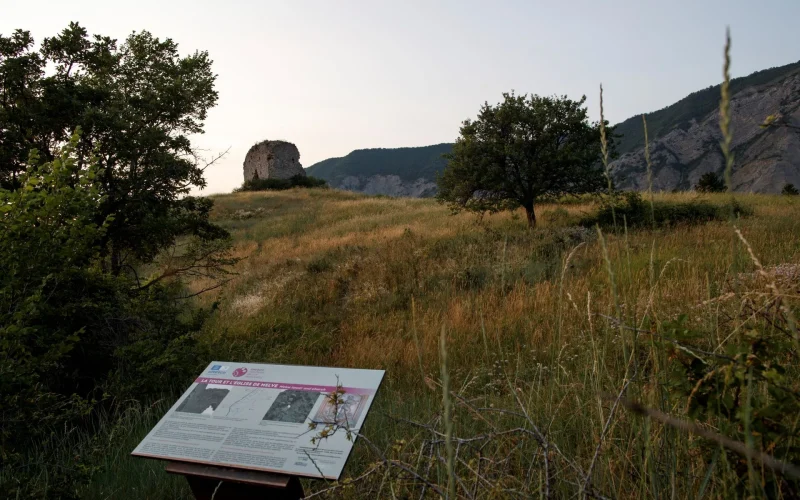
{"points": [[546, 334]]}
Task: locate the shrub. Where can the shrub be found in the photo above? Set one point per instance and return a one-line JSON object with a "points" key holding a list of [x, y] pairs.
{"points": [[282, 184], [710, 182], [558, 217], [630, 209], [48, 239], [745, 390], [320, 265], [472, 277], [73, 335], [789, 190]]}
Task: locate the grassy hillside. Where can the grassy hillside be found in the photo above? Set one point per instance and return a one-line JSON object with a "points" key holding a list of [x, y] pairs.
{"points": [[695, 106], [409, 164], [340, 279]]}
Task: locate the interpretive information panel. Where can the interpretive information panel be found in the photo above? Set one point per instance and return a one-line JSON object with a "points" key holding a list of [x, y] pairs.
{"points": [[256, 416]]}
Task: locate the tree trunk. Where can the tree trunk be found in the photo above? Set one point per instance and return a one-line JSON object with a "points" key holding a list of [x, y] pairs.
{"points": [[531, 215]]}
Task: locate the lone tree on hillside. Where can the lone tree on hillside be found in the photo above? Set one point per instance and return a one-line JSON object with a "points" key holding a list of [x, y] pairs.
{"points": [[523, 149], [710, 182], [789, 190]]}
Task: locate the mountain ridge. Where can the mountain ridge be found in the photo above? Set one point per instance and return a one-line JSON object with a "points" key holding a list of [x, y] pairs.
{"points": [[407, 171], [698, 103], [684, 142], [766, 158]]}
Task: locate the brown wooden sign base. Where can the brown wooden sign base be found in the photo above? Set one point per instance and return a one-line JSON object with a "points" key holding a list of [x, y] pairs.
{"points": [[224, 483]]}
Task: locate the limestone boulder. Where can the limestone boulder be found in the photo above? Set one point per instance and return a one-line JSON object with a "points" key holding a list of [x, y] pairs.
{"points": [[272, 160]]}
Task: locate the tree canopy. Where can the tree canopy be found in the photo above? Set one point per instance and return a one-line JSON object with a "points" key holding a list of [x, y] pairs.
{"points": [[521, 150], [137, 104], [97, 226]]}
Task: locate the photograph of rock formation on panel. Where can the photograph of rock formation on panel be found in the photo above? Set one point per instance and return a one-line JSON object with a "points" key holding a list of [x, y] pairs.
{"points": [[201, 398], [348, 410], [292, 406]]}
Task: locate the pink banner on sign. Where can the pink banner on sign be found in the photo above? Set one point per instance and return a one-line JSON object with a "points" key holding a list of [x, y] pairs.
{"points": [[280, 385]]}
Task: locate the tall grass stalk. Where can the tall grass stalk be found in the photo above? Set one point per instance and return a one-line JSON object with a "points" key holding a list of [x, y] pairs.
{"points": [[649, 172], [447, 416], [725, 113], [606, 167], [747, 416], [604, 151], [416, 338], [613, 287], [564, 268], [604, 140], [483, 333]]}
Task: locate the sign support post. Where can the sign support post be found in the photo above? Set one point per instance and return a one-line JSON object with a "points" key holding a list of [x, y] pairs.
{"points": [[223, 483]]}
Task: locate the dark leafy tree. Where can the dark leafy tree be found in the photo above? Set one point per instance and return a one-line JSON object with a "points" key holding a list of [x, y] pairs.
{"points": [[710, 182], [790, 190], [97, 230], [69, 331], [48, 238], [137, 104], [520, 151]]}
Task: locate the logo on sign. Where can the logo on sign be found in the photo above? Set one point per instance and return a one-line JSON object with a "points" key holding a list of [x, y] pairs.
{"points": [[218, 369], [239, 372]]}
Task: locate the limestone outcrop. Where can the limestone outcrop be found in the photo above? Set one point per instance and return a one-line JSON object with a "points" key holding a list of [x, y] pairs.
{"points": [[389, 185], [272, 160], [386, 171], [765, 158]]}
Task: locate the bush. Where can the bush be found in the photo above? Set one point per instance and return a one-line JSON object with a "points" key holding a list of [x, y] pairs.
{"points": [[631, 210], [558, 217], [282, 184], [789, 190], [74, 337], [746, 390], [710, 182], [471, 277], [320, 265]]}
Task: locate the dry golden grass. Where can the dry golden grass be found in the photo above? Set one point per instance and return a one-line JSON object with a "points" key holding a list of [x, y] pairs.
{"points": [[334, 278], [368, 234]]}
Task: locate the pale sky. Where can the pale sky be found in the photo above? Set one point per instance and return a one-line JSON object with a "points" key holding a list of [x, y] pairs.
{"points": [[334, 76]]}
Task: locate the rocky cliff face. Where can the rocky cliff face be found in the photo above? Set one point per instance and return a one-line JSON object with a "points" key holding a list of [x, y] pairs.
{"points": [[387, 171], [390, 185], [765, 158], [272, 160]]}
